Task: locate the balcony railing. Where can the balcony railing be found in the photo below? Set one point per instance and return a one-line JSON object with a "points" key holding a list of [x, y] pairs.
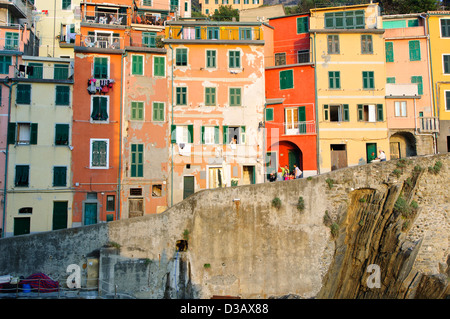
{"points": [[100, 41], [213, 33], [105, 17], [300, 128], [428, 124], [10, 43], [37, 71]]}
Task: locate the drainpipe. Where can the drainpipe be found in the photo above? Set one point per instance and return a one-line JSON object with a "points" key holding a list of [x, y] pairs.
{"points": [[264, 144], [171, 160], [432, 81], [6, 159], [316, 108], [124, 55]]}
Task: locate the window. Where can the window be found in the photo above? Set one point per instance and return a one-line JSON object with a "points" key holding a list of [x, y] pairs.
{"points": [[446, 62], [158, 111], [181, 95], [62, 95], [369, 113], [400, 108], [303, 56], [100, 68], [66, 4], [234, 134], [418, 80], [181, 57], [302, 25], [110, 203], [99, 106], [159, 66], [212, 33], [149, 39], [234, 59], [235, 96], [11, 41], [447, 100], [22, 176], [147, 3], [280, 58], [210, 96], [389, 46], [137, 65], [156, 190], [368, 80], [334, 79], [61, 72], [286, 79], [26, 210], [22, 133], [137, 111], [414, 50], [99, 153], [182, 134], [37, 72], [366, 44], [210, 135], [137, 160], [345, 20], [333, 44], [59, 176], [390, 80], [336, 113], [21, 225], [445, 28], [269, 114], [245, 33], [23, 94], [198, 32], [61, 134], [211, 58], [5, 62]]}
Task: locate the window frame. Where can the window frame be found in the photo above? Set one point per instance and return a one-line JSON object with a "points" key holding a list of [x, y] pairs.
{"points": [[441, 28], [234, 59], [157, 68], [137, 160], [137, 111], [368, 79], [280, 58], [389, 51], [303, 26], [26, 97], [333, 47], [16, 182], [66, 95], [444, 63], [103, 68], [137, 67], [55, 182], [181, 57], [447, 100], [63, 126], [334, 80], [343, 113], [233, 96], [366, 44], [210, 135], [399, 110], [4, 65], [414, 52], [100, 97], [91, 144], [213, 58], [183, 95], [281, 81], [210, 96], [154, 119]]}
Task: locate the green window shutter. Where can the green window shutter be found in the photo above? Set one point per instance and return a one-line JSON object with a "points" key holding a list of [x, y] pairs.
{"points": [[137, 160], [286, 79], [100, 68], [173, 135], [210, 96], [191, 133], [62, 95], [414, 50], [23, 92], [12, 41], [60, 71], [368, 80], [225, 134], [235, 97], [159, 66], [445, 28], [446, 64], [389, 51], [181, 57], [334, 79], [346, 113], [158, 111], [234, 59], [413, 23], [34, 134], [390, 80], [181, 96], [202, 133], [269, 114], [37, 70], [418, 80], [210, 58], [325, 112], [137, 111], [302, 25], [360, 112], [59, 176], [302, 120], [137, 65], [149, 39], [216, 134], [380, 112], [22, 175], [61, 134], [99, 155], [5, 62], [243, 135], [11, 133]]}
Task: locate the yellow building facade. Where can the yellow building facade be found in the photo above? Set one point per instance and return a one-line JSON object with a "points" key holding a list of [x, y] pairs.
{"points": [[348, 48], [39, 168], [438, 24], [210, 6]]}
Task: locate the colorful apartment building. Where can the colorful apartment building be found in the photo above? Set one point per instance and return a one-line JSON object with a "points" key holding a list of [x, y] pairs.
{"points": [[438, 24], [208, 7], [57, 24], [411, 119], [216, 87], [39, 196], [290, 98], [17, 38], [349, 60]]}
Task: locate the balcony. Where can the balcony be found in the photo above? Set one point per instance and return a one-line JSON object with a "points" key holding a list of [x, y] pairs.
{"points": [[113, 16], [300, 128], [39, 72], [19, 8], [428, 124], [100, 40]]}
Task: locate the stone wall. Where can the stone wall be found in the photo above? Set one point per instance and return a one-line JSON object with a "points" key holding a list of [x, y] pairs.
{"points": [[239, 244]]}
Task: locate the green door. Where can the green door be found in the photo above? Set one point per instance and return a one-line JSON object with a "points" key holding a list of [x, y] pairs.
{"points": [[188, 186], [371, 151], [90, 213], [301, 120], [293, 159], [59, 215], [21, 226]]}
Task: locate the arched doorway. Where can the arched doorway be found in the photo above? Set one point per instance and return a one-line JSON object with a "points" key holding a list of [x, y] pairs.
{"points": [[281, 154], [402, 144]]}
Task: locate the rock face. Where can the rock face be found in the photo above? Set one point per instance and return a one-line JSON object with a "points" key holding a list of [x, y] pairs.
{"points": [[373, 259]]}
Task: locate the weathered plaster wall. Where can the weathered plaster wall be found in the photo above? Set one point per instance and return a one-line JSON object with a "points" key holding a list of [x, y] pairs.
{"points": [[240, 245]]}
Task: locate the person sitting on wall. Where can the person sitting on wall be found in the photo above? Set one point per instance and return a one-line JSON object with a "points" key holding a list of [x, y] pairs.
{"points": [[382, 156]]}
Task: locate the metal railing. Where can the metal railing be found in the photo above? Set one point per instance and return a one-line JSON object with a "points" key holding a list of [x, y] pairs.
{"points": [[213, 33], [101, 41], [105, 17], [300, 128]]}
